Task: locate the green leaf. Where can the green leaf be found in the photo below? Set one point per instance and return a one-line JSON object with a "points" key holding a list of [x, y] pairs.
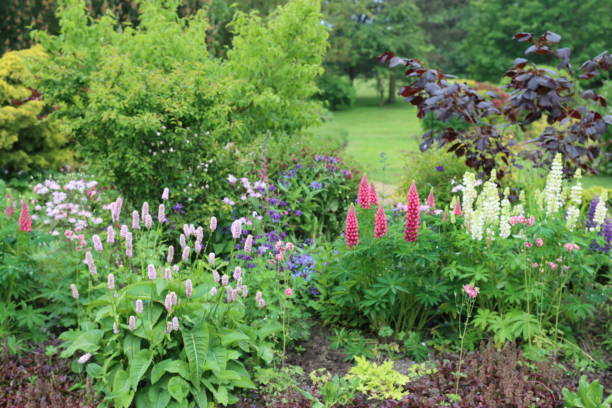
{"points": [[196, 349], [178, 388], [233, 337], [159, 397], [270, 328], [139, 366], [200, 397], [170, 366], [94, 370], [121, 389], [131, 344], [86, 341], [221, 395]]}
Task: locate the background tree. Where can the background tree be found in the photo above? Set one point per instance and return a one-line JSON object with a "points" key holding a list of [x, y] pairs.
{"points": [[361, 28], [585, 27]]}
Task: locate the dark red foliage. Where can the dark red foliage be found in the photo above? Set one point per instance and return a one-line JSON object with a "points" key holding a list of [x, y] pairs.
{"points": [[35, 380], [534, 93]]}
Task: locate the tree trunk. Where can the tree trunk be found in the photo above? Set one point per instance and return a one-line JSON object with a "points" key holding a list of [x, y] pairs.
{"points": [[392, 93]]}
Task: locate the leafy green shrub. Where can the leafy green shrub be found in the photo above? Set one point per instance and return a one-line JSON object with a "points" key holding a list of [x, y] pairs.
{"points": [[588, 395], [151, 108], [337, 91], [30, 138], [432, 169], [153, 330]]}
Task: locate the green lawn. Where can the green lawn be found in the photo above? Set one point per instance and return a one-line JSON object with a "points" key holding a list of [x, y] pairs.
{"points": [[372, 129]]}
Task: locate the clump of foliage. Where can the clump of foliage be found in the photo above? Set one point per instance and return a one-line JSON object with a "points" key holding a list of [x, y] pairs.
{"points": [[30, 138], [575, 130], [337, 91], [588, 395], [149, 107], [41, 378]]}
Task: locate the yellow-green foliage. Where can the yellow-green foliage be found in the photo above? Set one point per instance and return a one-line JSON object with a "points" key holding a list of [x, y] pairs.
{"points": [[382, 381], [28, 138]]}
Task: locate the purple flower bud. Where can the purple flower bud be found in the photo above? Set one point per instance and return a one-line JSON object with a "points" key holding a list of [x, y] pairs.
{"points": [[188, 288], [231, 294], [245, 290], [165, 194], [197, 247], [151, 272], [224, 280], [170, 256], [84, 358], [187, 230], [97, 243], [74, 290], [90, 263], [115, 328], [211, 258], [132, 323], [128, 244], [213, 224], [174, 298], [186, 251], [175, 268], [175, 323], [123, 231], [139, 306], [161, 214], [199, 234], [182, 241], [216, 276], [110, 234], [111, 281], [135, 220], [168, 327], [213, 291], [168, 274]]}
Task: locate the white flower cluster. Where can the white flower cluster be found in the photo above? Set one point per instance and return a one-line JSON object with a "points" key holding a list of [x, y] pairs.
{"points": [[67, 206], [504, 219], [469, 196], [552, 191], [575, 199], [601, 211]]}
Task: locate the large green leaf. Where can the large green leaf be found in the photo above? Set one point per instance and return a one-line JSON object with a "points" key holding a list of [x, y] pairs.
{"points": [[121, 389], [86, 341], [178, 388], [200, 397], [231, 337], [169, 366], [196, 348], [131, 345], [139, 366]]}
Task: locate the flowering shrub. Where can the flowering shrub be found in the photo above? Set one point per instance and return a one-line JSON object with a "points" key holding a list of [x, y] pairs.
{"points": [[528, 261], [305, 197]]}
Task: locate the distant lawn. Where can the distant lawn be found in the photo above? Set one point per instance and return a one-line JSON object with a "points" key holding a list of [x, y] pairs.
{"points": [[372, 129]]}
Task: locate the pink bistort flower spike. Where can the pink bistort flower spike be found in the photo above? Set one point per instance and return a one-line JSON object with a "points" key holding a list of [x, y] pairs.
{"points": [[151, 272], [175, 323], [363, 196], [380, 225], [97, 242], [74, 290], [168, 274], [165, 194], [139, 306], [84, 358], [188, 288], [213, 291], [110, 234], [248, 244], [213, 224], [373, 195], [161, 214], [111, 281], [170, 255], [211, 258], [132, 323], [168, 302], [25, 220], [351, 230], [413, 215], [185, 256], [236, 229]]}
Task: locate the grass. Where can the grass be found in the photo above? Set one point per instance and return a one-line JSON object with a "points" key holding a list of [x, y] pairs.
{"points": [[372, 129]]}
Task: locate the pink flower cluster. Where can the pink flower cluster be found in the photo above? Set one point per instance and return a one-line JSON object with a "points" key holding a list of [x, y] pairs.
{"points": [[520, 219], [413, 215], [569, 247], [363, 196], [351, 231], [471, 291], [25, 220], [380, 224]]}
